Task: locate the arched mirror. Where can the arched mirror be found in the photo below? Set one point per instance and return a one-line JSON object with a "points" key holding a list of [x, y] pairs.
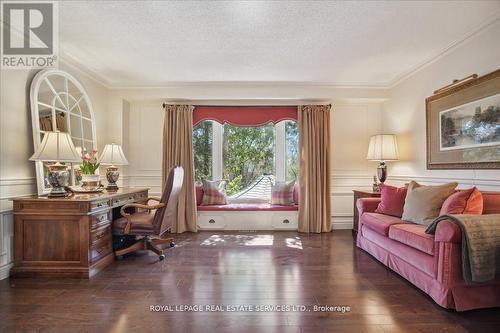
{"points": [[59, 102]]}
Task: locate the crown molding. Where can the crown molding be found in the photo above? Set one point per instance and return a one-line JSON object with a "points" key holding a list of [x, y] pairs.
{"points": [[73, 62], [485, 26], [243, 84]]}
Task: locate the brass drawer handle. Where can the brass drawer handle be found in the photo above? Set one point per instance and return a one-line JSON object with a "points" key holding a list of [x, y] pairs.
{"points": [[100, 235], [211, 221], [286, 221]]}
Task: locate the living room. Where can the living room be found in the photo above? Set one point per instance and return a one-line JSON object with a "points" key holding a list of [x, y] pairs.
{"points": [[300, 129]]}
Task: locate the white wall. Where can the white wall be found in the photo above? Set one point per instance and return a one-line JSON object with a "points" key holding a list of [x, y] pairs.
{"points": [[17, 174], [404, 112], [352, 125]]}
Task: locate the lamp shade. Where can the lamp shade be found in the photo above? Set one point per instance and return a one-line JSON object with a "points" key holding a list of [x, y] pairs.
{"points": [[383, 147], [56, 147], [113, 155]]}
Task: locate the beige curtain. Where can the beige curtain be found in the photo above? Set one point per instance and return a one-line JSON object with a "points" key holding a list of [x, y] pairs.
{"points": [[314, 202], [178, 150]]}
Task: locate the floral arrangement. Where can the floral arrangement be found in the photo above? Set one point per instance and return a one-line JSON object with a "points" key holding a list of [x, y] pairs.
{"points": [[90, 164]]}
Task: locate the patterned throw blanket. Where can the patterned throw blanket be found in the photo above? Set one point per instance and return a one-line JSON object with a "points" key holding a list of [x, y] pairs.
{"points": [[480, 244]]}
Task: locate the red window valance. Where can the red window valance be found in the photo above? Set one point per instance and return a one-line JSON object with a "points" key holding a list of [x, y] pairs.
{"points": [[245, 116]]}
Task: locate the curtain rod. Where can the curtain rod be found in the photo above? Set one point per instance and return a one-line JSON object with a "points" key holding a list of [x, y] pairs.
{"points": [[232, 106]]}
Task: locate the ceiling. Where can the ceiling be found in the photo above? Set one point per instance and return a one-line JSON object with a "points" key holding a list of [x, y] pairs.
{"points": [[376, 43]]}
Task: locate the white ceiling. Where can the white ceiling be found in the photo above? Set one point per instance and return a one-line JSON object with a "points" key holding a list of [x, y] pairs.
{"points": [[339, 43]]}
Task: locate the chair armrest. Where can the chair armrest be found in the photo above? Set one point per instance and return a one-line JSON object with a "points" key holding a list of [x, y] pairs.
{"points": [[153, 199], [367, 205], [447, 231], [136, 205]]}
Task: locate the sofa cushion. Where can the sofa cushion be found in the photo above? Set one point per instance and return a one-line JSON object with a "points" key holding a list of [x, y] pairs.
{"points": [[413, 235], [422, 261], [392, 200], [491, 202], [423, 203], [463, 202], [379, 223]]}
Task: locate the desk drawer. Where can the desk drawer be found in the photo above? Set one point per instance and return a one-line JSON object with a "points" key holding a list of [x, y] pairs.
{"points": [[97, 205], [123, 200], [100, 249], [99, 220], [101, 233], [141, 196]]}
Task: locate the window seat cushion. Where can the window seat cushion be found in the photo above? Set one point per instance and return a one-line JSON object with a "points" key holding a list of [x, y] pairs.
{"points": [[234, 207]]}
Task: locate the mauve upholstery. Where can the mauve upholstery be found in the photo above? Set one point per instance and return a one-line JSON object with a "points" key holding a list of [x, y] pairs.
{"points": [[491, 202], [142, 223], [426, 263], [392, 200], [247, 207], [413, 235], [380, 222], [199, 195], [435, 269]]}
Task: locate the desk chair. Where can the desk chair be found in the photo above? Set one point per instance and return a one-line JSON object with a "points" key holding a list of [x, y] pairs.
{"points": [[147, 227]]}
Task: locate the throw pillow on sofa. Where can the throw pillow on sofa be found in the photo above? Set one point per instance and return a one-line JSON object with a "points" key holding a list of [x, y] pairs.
{"points": [[282, 193], [423, 203], [463, 202], [214, 192], [392, 200]]}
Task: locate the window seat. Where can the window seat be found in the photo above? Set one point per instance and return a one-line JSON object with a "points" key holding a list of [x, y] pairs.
{"points": [[247, 215], [247, 207]]}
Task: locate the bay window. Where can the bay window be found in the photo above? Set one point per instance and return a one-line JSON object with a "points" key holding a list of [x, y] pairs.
{"points": [[249, 158]]}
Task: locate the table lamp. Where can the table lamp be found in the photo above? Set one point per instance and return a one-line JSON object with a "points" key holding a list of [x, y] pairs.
{"points": [[382, 148], [112, 155], [57, 147]]}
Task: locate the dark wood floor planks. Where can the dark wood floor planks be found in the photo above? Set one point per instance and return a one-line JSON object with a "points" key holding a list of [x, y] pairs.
{"points": [[259, 268]]}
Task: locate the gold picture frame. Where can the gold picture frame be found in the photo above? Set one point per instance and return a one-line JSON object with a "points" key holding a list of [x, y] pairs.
{"points": [[462, 122]]}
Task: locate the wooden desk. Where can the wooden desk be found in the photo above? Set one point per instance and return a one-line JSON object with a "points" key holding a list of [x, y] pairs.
{"points": [[67, 237], [358, 195]]}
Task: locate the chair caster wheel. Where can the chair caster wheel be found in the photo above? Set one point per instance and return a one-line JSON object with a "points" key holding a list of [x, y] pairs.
{"points": [[172, 244], [161, 257]]}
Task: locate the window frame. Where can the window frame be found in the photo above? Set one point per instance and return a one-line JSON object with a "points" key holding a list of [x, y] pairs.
{"points": [[279, 149]]}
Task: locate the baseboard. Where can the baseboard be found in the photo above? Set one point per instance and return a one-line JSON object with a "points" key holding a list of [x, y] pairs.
{"points": [[4, 271], [341, 223]]}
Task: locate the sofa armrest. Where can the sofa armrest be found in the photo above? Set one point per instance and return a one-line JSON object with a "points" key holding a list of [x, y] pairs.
{"points": [[447, 231], [367, 205]]}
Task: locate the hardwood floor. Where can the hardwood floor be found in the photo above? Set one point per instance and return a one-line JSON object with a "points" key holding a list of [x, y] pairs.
{"points": [[262, 268]]}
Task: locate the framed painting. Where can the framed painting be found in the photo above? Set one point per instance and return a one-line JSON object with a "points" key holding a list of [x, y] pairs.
{"points": [[463, 125]]}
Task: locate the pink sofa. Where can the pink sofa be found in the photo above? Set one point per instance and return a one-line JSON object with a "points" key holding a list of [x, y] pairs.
{"points": [[430, 262]]}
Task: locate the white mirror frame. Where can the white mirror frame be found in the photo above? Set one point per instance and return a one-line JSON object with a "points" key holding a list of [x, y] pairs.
{"points": [[39, 78]]}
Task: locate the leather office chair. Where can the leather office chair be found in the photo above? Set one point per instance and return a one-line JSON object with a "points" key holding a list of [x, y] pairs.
{"points": [[147, 227]]}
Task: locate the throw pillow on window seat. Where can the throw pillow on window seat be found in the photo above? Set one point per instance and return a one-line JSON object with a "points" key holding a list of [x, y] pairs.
{"points": [[214, 192], [468, 201], [282, 193]]}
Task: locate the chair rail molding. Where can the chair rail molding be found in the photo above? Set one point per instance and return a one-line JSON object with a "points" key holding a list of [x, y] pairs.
{"points": [[485, 183], [10, 188]]}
